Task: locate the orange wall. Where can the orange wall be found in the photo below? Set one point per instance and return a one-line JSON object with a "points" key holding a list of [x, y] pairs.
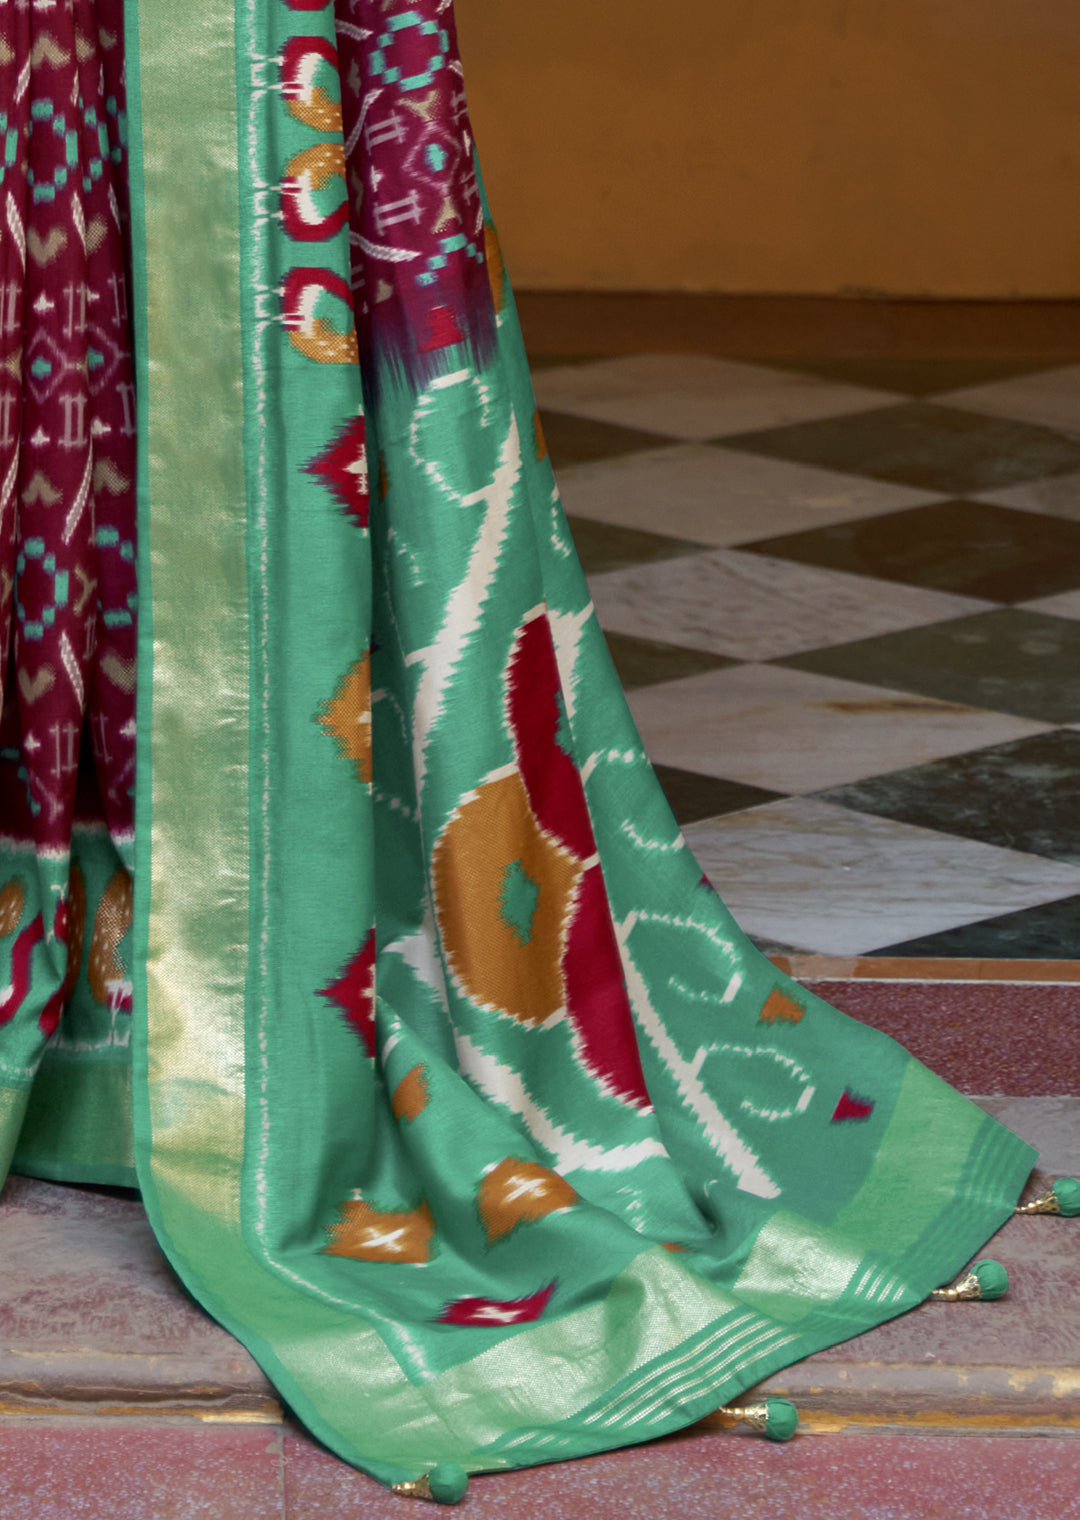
{"points": [[791, 146]]}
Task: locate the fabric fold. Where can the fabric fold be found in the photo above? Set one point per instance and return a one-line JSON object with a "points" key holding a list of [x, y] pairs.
{"points": [[458, 1095]]}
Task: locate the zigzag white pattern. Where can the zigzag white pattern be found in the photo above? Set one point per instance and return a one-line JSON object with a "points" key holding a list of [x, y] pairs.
{"points": [[569, 1152], [8, 489], [15, 226], [751, 1176], [465, 604], [71, 665], [79, 219], [79, 503]]}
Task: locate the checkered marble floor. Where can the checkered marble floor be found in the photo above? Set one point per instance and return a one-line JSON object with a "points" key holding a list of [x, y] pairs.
{"points": [[844, 599]]}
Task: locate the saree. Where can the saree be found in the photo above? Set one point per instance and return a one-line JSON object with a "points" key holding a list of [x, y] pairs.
{"points": [[340, 909]]}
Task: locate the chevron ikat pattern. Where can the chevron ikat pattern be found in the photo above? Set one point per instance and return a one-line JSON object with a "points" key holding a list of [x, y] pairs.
{"points": [[67, 508]]}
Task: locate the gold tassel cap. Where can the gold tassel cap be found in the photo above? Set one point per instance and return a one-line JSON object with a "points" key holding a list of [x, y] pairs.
{"points": [[776, 1419], [1063, 1198], [445, 1484], [986, 1280]]}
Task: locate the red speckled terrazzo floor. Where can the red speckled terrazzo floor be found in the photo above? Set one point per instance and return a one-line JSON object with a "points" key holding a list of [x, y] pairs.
{"points": [[129, 1471], [981, 1037], [703, 1477]]}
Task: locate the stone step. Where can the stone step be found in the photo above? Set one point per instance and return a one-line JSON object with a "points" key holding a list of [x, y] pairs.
{"points": [[1011, 1365], [92, 1317], [93, 1321]]}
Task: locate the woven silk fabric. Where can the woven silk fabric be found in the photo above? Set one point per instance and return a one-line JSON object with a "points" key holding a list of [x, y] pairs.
{"points": [[67, 561], [455, 1091]]}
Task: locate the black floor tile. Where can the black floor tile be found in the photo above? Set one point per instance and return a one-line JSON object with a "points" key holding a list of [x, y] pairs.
{"points": [[560, 361], [938, 448], [580, 440], [693, 796], [1008, 660], [645, 662], [969, 547], [773, 947], [1024, 795], [914, 377], [604, 546], [1049, 932]]}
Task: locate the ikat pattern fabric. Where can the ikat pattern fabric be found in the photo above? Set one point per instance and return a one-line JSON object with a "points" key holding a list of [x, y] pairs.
{"points": [[456, 1092], [390, 89], [67, 528]]}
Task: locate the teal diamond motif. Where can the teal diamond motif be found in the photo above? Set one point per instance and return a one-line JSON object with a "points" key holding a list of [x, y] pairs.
{"points": [[520, 894]]}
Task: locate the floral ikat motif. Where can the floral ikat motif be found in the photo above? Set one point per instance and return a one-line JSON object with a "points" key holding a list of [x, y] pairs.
{"points": [[67, 426], [420, 275], [68, 602], [457, 1037], [391, 160]]}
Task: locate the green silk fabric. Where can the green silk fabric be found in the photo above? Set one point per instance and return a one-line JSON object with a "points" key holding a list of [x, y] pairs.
{"points": [[374, 1130]]}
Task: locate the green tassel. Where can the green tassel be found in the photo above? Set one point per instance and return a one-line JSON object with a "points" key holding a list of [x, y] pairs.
{"points": [[448, 1483], [1063, 1198], [1067, 1193], [987, 1279], [993, 1279], [782, 1420], [775, 1419]]}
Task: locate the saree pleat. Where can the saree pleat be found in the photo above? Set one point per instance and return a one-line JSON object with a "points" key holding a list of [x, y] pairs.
{"points": [[457, 1093], [67, 579]]}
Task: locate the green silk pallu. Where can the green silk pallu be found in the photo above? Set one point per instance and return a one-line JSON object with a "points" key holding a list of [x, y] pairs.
{"points": [[451, 1087]]}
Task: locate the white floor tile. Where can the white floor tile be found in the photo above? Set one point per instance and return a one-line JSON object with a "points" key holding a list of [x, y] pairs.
{"points": [[793, 731], [1058, 497], [695, 397], [754, 607], [808, 873], [714, 495], [1051, 1125], [1051, 397], [1065, 604]]}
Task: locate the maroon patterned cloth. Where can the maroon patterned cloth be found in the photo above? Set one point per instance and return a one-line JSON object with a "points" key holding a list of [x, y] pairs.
{"points": [[67, 464], [420, 252], [424, 273], [67, 421]]}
